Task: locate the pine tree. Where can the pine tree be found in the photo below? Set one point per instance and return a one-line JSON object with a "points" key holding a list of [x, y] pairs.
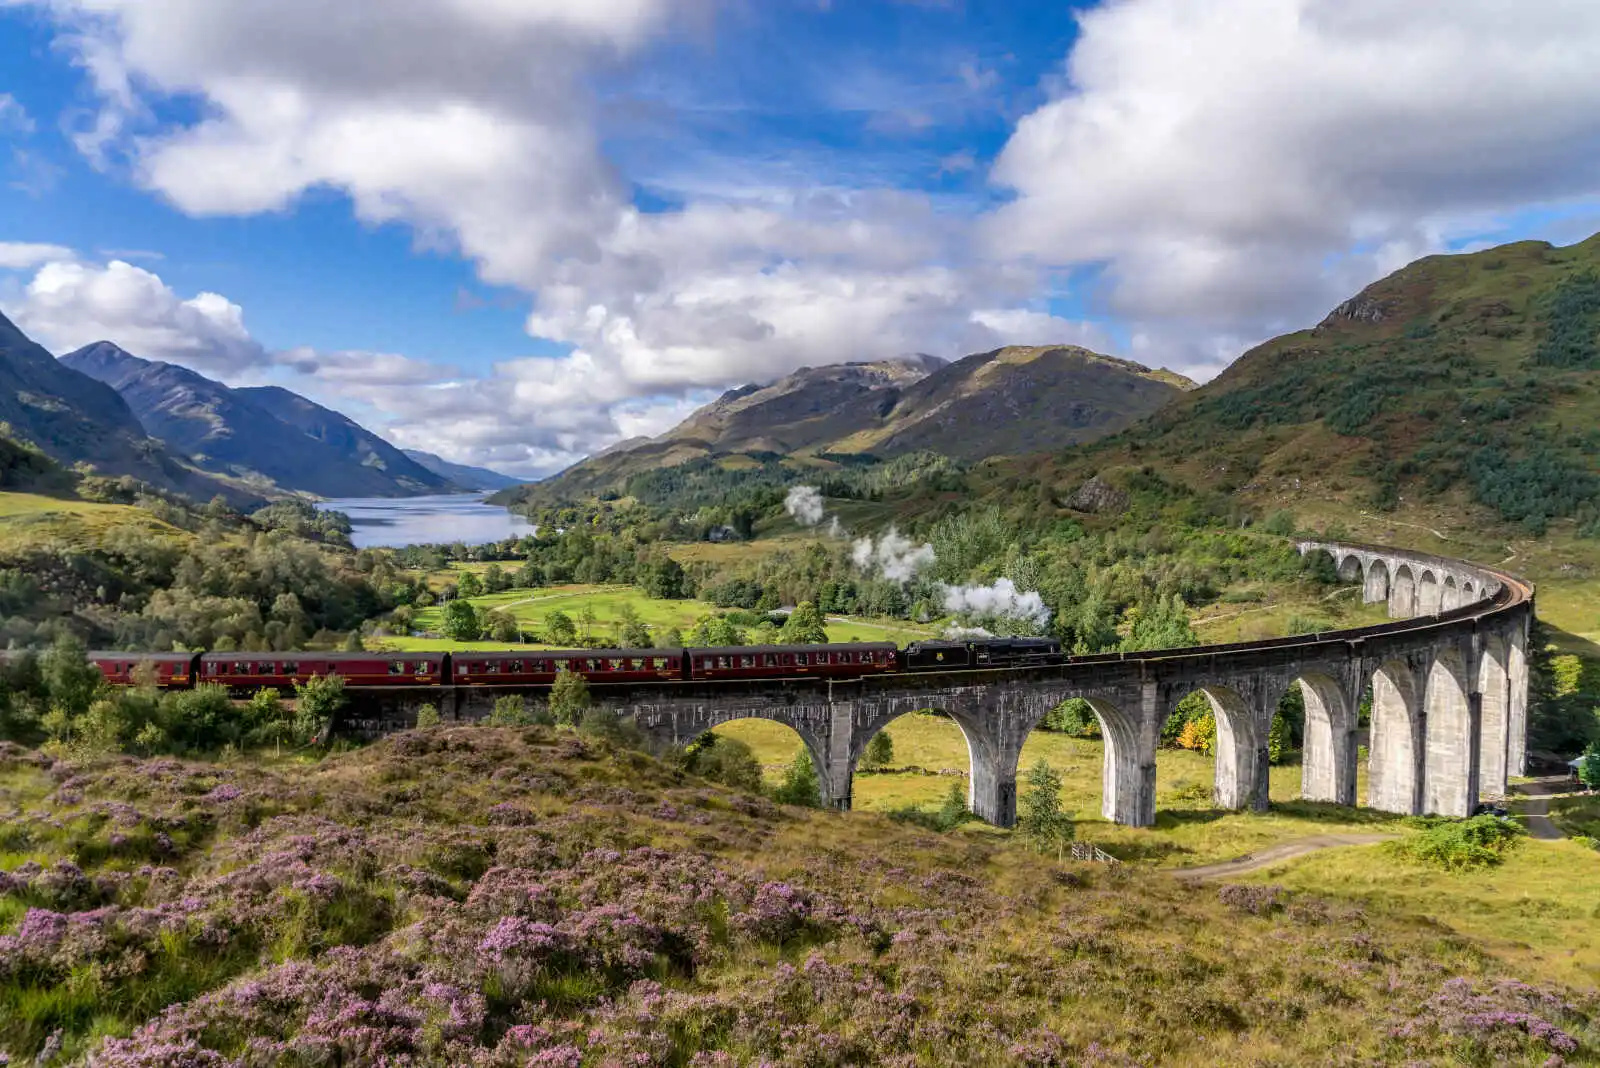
{"points": [[800, 785], [428, 716], [1040, 818], [569, 698]]}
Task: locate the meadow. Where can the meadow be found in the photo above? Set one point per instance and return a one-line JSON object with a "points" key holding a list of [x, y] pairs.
{"points": [[930, 754], [608, 606]]}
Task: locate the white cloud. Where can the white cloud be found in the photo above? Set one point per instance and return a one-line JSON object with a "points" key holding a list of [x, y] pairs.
{"points": [[21, 255], [14, 118], [69, 304], [1239, 166]]}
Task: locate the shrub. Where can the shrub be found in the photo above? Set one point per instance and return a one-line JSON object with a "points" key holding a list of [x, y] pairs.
{"points": [[428, 716], [509, 711], [725, 760], [569, 698], [316, 703], [1459, 845], [879, 754], [1073, 717], [1039, 816], [800, 785], [461, 622]]}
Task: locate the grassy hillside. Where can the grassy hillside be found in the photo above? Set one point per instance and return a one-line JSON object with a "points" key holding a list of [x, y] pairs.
{"points": [[1462, 386], [474, 895]]}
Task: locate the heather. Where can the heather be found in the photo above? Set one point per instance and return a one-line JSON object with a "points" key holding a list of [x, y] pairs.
{"points": [[532, 896]]}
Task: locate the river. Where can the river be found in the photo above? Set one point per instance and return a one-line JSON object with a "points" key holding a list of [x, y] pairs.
{"points": [[393, 522]]}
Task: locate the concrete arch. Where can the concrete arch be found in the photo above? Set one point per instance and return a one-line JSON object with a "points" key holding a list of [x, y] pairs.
{"points": [[835, 794], [1517, 710], [1494, 688], [1328, 769], [1403, 593], [862, 739], [1241, 746], [1449, 786], [1394, 774], [1128, 776], [1450, 597], [1469, 593], [1376, 587], [1430, 594], [1349, 568]]}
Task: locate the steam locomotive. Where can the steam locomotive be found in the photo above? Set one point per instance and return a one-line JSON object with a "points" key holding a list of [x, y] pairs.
{"points": [[241, 671]]}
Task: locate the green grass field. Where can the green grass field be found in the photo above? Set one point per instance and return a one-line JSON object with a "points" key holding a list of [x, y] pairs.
{"points": [[29, 519], [1188, 829], [1540, 909], [533, 607]]}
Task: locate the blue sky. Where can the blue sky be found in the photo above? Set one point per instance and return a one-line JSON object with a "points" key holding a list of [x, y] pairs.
{"points": [[513, 231]]}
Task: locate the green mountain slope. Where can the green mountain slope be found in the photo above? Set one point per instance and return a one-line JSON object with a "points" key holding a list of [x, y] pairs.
{"points": [[347, 437], [1469, 384], [75, 419], [1007, 401], [227, 431]]}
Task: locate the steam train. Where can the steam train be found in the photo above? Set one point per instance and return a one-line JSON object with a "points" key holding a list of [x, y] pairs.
{"points": [[241, 671]]}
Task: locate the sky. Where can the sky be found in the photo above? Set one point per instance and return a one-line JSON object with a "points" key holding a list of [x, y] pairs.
{"points": [[513, 232]]}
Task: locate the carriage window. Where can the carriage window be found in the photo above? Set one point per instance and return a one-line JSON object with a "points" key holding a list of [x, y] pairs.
{"points": [[291, 669], [494, 668], [514, 667], [617, 665], [397, 667], [724, 661], [747, 661], [770, 659], [423, 667], [705, 663], [802, 659], [865, 658], [461, 669], [659, 663], [211, 667], [241, 669]]}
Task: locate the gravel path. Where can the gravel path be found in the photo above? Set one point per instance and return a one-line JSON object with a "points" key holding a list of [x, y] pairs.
{"points": [[1281, 851], [1535, 810]]}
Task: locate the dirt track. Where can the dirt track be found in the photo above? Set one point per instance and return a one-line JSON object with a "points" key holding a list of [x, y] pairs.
{"points": [[1282, 851]]}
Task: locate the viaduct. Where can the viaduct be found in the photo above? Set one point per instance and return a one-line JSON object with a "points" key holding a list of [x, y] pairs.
{"points": [[1447, 680]]}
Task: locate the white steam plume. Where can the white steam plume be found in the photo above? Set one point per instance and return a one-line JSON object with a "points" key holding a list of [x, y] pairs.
{"points": [[1002, 600], [804, 503], [895, 555], [957, 634]]}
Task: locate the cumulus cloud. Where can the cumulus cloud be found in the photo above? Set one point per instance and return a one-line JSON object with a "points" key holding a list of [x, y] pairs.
{"points": [[1241, 165], [69, 304]]}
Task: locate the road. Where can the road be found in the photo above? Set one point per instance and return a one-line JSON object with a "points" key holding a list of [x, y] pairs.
{"points": [[1535, 811], [1282, 851]]}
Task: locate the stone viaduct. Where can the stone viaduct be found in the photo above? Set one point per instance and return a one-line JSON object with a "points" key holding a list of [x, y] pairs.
{"points": [[1448, 684]]}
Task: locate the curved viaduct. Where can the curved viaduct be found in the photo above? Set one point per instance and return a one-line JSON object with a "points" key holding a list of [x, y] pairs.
{"points": [[1448, 683]]}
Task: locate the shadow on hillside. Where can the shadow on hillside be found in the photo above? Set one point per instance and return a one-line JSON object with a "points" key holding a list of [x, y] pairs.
{"points": [[1568, 642], [1313, 811]]}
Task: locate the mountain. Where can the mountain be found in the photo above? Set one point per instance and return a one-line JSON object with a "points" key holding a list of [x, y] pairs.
{"points": [[231, 432], [1465, 386], [1009, 400], [472, 478], [74, 419]]}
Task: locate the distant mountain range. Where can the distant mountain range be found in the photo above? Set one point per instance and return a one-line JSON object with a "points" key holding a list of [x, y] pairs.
{"points": [[74, 419], [463, 475], [265, 436], [1011, 400]]}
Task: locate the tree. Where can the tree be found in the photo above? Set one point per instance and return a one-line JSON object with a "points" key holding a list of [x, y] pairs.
{"points": [[428, 716], [267, 719], [1589, 767], [800, 785], [70, 680], [635, 635], [1278, 741], [1073, 717], [672, 638], [804, 626], [559, 629], [461, 622], [495, 579], [352, 643], [503, 627], [569, 698], [468, 585], [879, 754], [403, 618], [1160, 624], [954, 811], [586, 622], [1040, 819], [510, 711], [725, 760], [317, 702], [663, 578]]}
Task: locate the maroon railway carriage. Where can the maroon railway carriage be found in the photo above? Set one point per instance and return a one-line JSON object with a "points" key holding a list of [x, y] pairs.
{"points": [[848, 660], [172, 670], [258, 670], [539, 667]]}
